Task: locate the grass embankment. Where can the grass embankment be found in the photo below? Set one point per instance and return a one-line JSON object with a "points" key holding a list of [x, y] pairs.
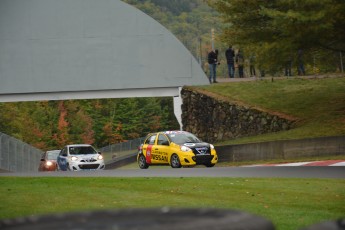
{"points": [[288, 203], [317, 104]]}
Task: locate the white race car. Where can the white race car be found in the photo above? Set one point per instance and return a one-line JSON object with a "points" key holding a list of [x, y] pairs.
{"points": [[80, 157]]}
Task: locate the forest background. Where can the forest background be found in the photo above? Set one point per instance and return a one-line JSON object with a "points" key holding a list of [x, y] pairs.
{"points": [[272, 31]]}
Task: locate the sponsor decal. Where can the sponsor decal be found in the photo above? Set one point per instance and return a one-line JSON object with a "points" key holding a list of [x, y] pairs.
{"points": [[159, 158], [189, 144], [148, 154]]}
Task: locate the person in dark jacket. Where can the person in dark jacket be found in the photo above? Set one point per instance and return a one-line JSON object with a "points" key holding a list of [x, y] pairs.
{"points": [[300, 63], [230, 56], [212, 58], [240, 63]]}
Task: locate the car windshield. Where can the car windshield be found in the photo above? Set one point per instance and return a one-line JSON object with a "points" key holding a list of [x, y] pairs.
{"points": [[81, 150], [183, 137], [52, 155]]}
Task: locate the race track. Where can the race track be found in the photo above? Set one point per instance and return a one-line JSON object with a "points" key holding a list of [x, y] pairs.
{"points": [[263, 172]]}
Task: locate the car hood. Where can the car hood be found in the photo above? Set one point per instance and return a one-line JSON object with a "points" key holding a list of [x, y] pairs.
{"points": [[51, 160], [87, 156]]}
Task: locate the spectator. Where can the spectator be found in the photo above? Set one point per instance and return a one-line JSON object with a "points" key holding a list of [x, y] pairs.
{"points": [[288, 65], [300, 63], [212, 63], [230, 54], [240, 63], [252, 65]]}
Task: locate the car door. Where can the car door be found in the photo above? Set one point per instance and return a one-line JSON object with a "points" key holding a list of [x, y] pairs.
{"points": [[62, 159], [156, 151], [161, 149]]}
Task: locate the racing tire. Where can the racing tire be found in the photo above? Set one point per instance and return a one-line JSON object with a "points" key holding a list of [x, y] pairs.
{"points": [[142, 162], [175, 161], [209, 165]]}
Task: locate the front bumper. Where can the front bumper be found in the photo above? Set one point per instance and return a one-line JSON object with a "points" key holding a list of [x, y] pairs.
{"points": [[79, 166], [49, 168], [191, 160]]}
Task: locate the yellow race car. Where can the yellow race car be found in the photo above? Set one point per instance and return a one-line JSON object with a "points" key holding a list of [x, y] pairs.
{"points": [[177, 149]]}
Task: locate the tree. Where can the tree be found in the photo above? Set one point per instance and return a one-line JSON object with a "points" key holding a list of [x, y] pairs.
{"points": [[277, 29], [61, 136]]}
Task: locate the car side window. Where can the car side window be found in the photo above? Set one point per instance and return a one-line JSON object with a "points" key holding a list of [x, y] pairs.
{"points": [[152, 140], [162, 140], [147, 141], [63, 151]]}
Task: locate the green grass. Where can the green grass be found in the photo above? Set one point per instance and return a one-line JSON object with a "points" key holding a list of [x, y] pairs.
{"points": [[317, 104], [288, 203]]}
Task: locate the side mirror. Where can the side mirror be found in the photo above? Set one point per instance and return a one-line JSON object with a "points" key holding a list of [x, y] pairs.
{"points": [[42, 159], [64, 155], [99, 153]]}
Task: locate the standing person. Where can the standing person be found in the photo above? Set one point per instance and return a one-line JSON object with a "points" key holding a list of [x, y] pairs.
{"points": [[288, 65], [300, 63], [252, 65], [212, 58], [240, 63], [230, 54]]}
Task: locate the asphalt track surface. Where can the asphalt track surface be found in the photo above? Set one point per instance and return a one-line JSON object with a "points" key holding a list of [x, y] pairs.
{"points": [[249, 172]]}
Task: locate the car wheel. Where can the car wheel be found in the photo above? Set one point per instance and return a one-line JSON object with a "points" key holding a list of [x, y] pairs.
{"points": [[209, 165], [175, 161], [142, 162]]}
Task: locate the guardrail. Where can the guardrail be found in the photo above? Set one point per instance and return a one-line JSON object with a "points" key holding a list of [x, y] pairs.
{"points": [[121, 150], [282, 149], [17, 156]]}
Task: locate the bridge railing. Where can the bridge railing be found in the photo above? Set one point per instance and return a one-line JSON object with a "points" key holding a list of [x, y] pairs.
{"points": [[17, 156]]}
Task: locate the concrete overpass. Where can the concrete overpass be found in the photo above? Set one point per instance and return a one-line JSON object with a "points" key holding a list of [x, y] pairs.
{"points": [[88, 49]]}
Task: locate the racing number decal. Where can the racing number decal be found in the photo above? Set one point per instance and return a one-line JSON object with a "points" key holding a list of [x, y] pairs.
{"points": [[148, 154]]}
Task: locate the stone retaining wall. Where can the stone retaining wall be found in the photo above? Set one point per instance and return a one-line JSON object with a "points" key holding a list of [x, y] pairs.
{"points": [[216, 119]]}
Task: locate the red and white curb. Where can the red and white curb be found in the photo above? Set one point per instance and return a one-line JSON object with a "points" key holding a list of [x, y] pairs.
{"points": [[309, 163]]}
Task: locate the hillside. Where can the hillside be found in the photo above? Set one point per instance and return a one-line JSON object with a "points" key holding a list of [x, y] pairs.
{"points": [[318, 104]]}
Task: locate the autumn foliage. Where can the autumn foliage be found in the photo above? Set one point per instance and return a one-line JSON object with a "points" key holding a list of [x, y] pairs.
{"points": [[53, 124]]}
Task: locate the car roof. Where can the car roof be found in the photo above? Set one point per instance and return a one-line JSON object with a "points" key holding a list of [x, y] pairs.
{"points": [[167, 132], [78, 145], [174, 132]]}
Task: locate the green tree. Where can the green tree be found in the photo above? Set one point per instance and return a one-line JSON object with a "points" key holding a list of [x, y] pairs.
{"points": [[276, 29]]}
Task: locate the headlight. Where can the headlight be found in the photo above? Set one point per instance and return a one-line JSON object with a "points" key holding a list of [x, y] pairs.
{"points": [[212, 146], [100, 157], [185, 148], [74, 158], [49, 163]]}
